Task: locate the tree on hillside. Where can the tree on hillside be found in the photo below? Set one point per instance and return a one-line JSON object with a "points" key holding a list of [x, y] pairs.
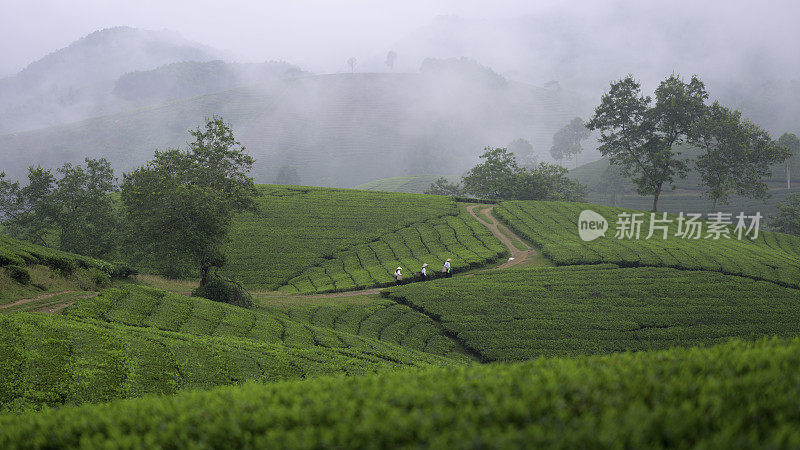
{"points": [[493, 178], [179, 206], [640, 137], [524, 150], [612, 183], [501, 177], [567, 141], [790, 142], [77, 206], [787, 219], [287, 175], [28, 211], [441, 186], [735, 155], [391, 57], [85, 216], [352, 63]]}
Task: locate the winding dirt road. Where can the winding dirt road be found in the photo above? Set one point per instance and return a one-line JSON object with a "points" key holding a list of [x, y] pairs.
{"points": [[517, 256]]}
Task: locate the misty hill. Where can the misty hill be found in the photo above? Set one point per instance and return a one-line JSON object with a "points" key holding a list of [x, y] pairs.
{"points": [[74, 81], [336, 130]]}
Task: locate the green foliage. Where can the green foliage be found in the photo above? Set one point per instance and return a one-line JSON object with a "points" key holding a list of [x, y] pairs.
{"points": [[18, 274], [141, 307], [739, 394], [787, 220], [553, 227], [58, 360], [298, 228], [28, 211], [461, 238], [179, 207], [642, 138], [226, 292], [22, 253], [441, 186], [567, 311], [100, 278], [567, 140], [500, 177]]}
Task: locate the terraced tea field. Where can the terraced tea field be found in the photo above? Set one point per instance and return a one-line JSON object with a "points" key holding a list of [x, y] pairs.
{"points": [[567, 311], [735, 395], [553, 228], [318, 240], [335, 327]]}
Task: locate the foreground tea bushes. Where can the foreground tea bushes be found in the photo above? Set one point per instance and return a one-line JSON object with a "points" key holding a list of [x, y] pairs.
{"points": [[736, 395], [52, 361], [553, 227], [525, 313], [21, 253], [138, 306], [460, 238], [381, 319], [300, 227]]}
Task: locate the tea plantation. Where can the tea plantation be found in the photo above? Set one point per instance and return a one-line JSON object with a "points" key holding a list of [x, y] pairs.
{"points": [[319, 239], [553, 227], [137, 306], [526, 313], [735, 395]]}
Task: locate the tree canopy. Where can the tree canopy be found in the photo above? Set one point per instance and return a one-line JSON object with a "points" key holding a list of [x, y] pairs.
{"points": [[179, 206], [787, 219], [567, 140]]}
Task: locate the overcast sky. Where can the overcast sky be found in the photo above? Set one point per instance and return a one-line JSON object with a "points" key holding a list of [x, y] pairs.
{"points": [[319, 35], [302, 32]]}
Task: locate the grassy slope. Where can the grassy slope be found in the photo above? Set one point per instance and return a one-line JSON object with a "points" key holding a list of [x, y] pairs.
{"points": [[316, 232], [678, 398], [409, 184], [526, 313], [553, 227]]}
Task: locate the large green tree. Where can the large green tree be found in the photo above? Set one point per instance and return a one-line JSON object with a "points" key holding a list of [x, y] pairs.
{"points": [[790, 142], [787, 220], [567, 141], [179, 206], [642, 137], [500, 177]]}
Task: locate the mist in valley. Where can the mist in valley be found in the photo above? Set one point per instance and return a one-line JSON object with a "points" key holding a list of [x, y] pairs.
{"points": [[311, 86]]}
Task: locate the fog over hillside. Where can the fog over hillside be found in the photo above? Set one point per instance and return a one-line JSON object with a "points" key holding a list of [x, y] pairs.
{"points": [[466, 75]]}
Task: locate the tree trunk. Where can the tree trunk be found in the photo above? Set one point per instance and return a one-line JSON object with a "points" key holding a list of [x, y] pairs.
{"points": [[655, 199], [205, 274], [714, 207], [788, 176]]}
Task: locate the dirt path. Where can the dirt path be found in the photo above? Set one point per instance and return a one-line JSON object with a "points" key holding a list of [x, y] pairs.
{"points": [[517, 256], [50, 308]]}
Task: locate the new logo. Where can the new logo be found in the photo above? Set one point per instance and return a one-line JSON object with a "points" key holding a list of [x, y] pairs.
{"points": [[591, 225]]}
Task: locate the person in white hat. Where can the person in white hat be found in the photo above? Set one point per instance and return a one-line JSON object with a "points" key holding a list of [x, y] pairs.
{"points": [[398, 277], [446, 269], [423, 275]]}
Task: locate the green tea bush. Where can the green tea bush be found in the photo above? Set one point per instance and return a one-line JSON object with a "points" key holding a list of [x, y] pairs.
{"points": [[735, 395], [18, 274], [226, 292], [100, 278], [57, 360], [518, 314], [553, 227]]}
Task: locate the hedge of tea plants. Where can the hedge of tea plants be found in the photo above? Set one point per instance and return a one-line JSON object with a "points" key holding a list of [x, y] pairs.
{"points": [[553, 227], [735, 395], [301, 227], [21, 253], [586, 309], [460, 238], [53, 360], [138, 306]]}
